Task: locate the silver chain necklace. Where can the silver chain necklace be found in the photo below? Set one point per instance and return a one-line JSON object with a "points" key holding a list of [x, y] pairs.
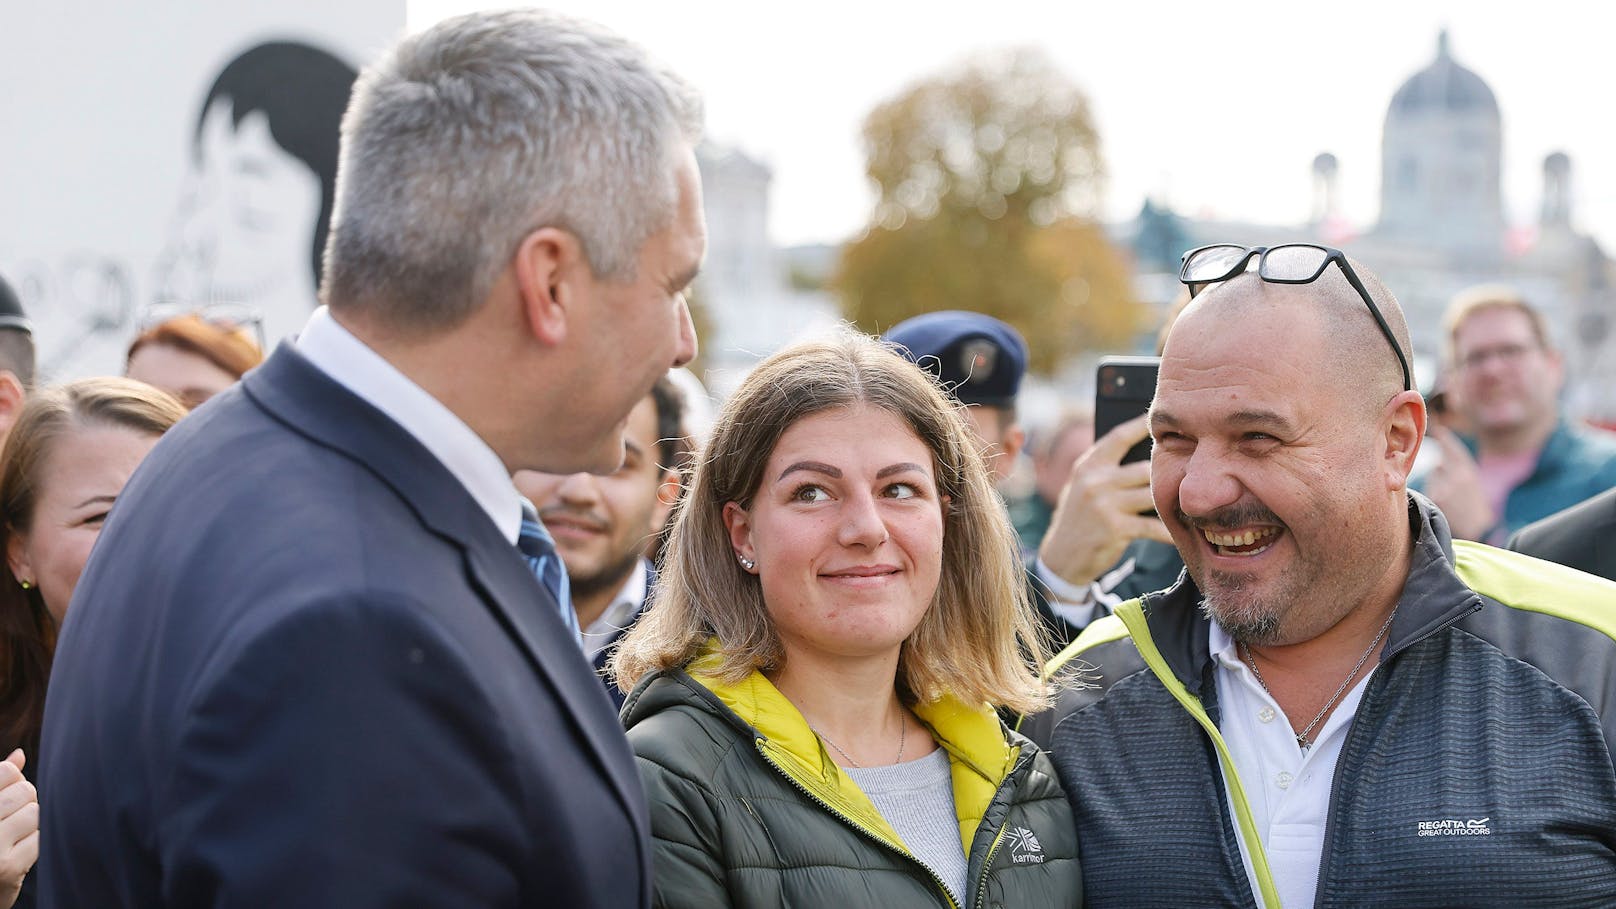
{"points": [[1303, 738], [903, 732]]}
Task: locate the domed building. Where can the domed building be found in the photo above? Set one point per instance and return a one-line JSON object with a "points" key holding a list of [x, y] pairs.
{"points": [[1442, 229], [1440, 159]]}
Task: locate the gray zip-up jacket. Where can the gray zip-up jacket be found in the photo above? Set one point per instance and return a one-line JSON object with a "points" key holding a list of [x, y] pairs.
{"points": [[1476, 773]]}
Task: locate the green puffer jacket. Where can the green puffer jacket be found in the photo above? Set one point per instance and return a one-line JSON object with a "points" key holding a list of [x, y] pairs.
{"points": [[748, 811]]}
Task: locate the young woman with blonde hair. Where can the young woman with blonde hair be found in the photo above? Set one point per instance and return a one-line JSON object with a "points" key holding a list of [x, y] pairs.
{"points": [[840, 609]]}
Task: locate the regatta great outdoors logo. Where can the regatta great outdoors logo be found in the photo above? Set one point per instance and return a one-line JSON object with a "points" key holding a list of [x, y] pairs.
{"points": [[1472, 827], [1024, 847]]}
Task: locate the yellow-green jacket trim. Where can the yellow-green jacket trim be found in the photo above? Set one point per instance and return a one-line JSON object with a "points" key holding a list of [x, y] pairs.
{"points": [[979, 756]]}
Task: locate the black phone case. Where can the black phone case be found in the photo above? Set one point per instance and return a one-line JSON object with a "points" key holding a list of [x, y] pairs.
{"points": [[1123, 388]]}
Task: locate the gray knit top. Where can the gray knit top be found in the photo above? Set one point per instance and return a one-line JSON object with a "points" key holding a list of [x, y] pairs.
{"points": [[917, 799]]}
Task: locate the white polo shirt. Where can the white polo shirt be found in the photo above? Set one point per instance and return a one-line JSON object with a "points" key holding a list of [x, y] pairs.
{"points": [[1288, 790]]}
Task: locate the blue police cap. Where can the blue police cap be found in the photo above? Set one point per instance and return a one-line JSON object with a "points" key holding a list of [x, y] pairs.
{"points": [[977, 357]]}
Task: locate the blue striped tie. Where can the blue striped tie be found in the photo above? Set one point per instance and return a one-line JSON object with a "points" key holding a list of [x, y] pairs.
{"points": [[538, 549]]}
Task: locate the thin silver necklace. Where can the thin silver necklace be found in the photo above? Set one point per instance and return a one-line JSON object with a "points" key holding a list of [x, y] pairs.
{"points": [[903, 731], [1303, 738]]}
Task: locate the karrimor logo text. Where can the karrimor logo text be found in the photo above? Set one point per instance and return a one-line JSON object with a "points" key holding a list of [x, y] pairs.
{"points": [[1024, 847], [1472, 827]]}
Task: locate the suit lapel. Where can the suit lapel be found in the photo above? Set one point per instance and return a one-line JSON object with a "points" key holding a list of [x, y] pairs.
{"points": [[532, 616], [309, 402]]}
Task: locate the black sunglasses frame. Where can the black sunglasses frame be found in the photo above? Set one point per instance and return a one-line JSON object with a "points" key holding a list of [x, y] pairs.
{"points": [[1330, 255]]}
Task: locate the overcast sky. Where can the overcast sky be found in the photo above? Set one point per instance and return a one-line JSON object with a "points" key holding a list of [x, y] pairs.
{"points": [[1214, 108]]}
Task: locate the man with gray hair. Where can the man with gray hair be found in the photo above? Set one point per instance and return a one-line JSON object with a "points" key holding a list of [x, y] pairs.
{"points": [[324, 654]]}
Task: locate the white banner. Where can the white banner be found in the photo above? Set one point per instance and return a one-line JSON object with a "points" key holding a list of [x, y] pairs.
{"points": [[170, 152]]}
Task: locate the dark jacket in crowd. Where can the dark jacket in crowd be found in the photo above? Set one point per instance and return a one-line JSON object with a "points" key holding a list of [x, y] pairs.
{"points": [[1477, 771], [305, 669], [748, 810], [1582, 537]]}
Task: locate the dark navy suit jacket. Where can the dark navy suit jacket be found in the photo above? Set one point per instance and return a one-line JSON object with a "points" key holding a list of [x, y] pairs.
{"points": [[303, 668], [1582, 536]]}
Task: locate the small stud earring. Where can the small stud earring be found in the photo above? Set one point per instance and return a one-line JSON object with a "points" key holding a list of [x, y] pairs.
{"points": [[747, 563], [25, 584]]}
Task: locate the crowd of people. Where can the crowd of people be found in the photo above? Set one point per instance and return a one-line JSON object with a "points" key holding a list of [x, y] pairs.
{"points": [[452, 600]]}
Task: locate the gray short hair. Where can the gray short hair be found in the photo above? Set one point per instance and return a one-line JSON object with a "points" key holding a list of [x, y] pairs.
{"points": [[467, 137]]}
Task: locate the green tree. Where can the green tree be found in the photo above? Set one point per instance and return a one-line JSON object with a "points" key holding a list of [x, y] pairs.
{"points": [[989, 177]]}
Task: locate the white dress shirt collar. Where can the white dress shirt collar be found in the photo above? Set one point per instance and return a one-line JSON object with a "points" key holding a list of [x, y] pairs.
{"points": [[625, 603], [346, 359]]}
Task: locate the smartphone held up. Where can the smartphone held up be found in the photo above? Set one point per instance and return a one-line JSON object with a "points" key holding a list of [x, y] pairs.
{"points": [[1123, 388]]}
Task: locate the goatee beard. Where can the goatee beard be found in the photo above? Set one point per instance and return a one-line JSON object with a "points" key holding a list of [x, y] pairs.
{"points": [[1225, 597], [1251, 622]]}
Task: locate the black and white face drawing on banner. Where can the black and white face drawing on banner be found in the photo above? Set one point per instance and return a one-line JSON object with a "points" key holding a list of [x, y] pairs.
{"points": [[254, 208]]}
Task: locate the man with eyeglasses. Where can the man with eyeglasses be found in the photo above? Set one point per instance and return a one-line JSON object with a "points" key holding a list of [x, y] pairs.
{"points": [[1525, 461], [1339, 705]]}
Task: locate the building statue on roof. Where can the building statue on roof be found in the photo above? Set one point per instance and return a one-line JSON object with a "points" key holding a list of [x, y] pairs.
{"points": [[1443, 228]]}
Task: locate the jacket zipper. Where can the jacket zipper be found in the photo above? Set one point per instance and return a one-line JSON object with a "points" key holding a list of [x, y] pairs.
{"points": [[987, 862], [879, 839], [1376, 683], [1022, 760], [1329, 806], [1266, 896], [1474, 608]]}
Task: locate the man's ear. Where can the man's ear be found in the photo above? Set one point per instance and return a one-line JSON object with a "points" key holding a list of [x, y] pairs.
{"points": [[1015, 439], [12, 396], [1403, 431], [668, 490], [548, 266], [1556, 367]]}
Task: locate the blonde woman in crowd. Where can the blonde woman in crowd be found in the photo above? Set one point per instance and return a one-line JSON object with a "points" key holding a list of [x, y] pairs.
{"points": [[840, 609]]}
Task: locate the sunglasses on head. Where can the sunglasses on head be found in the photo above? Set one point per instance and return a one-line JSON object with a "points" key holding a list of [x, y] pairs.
{"points": [[1291, 263]]}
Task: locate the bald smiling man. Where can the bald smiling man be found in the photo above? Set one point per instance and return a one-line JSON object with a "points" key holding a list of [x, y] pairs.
{"points": [[1340, 704]]}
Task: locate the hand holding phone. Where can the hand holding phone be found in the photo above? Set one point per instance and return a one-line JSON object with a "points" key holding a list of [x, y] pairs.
{"points": [[1123, 389], [1106, 503]]}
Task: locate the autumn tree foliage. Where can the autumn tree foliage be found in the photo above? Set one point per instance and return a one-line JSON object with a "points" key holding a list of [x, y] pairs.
{"points": [[989, 178]]}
